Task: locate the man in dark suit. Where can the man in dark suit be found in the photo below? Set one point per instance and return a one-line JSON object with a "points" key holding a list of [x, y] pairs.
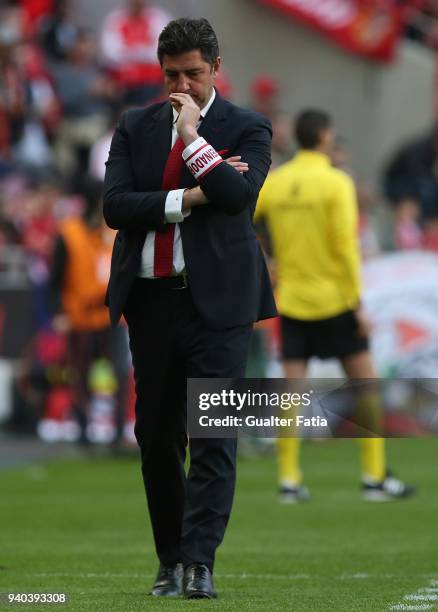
{"points": [[189, 277]]}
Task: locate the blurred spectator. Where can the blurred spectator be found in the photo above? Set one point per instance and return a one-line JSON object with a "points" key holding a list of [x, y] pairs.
{"points": [[264, 99], [45, 104], [414, 20], [33, 12], [58, 33], [421, 21], [38, 234], [8, 233], [99, 154], [421, 25], [85, 94], [11, 24], [265, 91], [38, 228], [340, 156], [282, 142], [80, 271], [412, 174], [100, 150], [13, 91], [407, 231], [430, 235], [28, 104], [366, 198], [128, 45]]}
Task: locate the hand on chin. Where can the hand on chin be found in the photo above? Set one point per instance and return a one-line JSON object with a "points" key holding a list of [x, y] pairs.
{"points": [[177, 106]]}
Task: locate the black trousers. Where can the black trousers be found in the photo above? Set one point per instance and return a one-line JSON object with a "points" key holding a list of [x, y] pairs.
{"points": [[170, 343]]}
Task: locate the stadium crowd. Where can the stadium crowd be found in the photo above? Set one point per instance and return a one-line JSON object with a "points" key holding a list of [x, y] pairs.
{"points": [[421, 21], [62, 88]]}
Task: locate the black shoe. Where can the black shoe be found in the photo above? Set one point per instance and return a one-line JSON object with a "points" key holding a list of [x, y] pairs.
{"points": [[168, 582], [198, 582], [293, 495], [389, 489]]}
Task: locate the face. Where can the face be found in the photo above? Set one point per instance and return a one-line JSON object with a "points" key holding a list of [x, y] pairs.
{"points": [[189, 73], [83, 50]]}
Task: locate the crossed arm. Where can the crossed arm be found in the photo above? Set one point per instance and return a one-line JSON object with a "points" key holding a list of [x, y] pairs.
{"points": [[230, 186]]}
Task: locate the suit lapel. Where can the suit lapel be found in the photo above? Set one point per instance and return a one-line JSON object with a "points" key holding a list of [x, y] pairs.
{"points": [[211, 126], [160, 135]]}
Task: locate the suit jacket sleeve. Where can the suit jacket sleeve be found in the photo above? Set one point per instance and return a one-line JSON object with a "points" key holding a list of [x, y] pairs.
{"points": [[123, 206], [232, 192]]}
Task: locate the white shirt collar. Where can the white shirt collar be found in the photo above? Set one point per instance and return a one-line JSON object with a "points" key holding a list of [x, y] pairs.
{"points": [[204, 110]]}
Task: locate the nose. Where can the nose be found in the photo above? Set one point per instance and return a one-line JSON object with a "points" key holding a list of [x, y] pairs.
{"points": [[183, 83]]}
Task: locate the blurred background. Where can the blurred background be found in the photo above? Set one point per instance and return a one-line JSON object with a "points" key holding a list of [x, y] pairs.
{"points": [[68, 68]]}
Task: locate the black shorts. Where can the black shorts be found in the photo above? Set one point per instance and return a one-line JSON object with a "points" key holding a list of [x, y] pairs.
{"points": [[333, 337]]}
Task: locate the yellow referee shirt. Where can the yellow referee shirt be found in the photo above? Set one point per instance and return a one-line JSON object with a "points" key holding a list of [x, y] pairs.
{"points": [[311, 212]]}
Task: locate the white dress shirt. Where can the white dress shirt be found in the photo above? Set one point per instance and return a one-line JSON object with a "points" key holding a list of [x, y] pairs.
{"points": [[173, 214]]}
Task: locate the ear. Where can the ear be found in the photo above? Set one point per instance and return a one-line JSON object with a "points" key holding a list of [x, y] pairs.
{"points": [[216, 65]]}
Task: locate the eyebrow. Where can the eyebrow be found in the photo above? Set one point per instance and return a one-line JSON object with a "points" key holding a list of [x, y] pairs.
{"points": [[171, 71]]}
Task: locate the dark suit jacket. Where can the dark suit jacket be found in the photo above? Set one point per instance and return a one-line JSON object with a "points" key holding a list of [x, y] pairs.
{"points": [[227, 275]]}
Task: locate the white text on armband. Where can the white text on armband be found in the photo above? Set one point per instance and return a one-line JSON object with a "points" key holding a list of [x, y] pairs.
{"points": [[200, 158]]}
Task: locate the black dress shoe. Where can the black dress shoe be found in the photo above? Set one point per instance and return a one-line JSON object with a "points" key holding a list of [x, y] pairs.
{"points": [[168, 582], [198, 582]]}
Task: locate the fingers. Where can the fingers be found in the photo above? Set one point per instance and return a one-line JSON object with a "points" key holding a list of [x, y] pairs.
{"points": [[178, 101], [238, 165], [181, 98], [236, 159]]}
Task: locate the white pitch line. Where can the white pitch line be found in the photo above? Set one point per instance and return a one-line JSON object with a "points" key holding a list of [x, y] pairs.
{"points": [[364, 576], [358, 576], [408, 607], [266, 576], [88, 575], [243, 576], [422, 594], [421, 597]]}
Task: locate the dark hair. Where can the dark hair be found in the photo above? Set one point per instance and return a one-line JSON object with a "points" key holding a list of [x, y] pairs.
{"points": [[308, 127], [182, 35]]}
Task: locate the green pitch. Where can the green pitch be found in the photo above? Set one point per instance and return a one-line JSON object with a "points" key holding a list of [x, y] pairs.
{"points": [[80, 527]]}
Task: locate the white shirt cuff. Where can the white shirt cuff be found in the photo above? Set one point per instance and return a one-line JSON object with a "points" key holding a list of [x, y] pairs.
{"points": [[173, 212]]}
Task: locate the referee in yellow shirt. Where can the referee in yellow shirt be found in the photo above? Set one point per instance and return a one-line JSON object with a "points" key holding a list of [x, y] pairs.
{"points": [[310, 209]]}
